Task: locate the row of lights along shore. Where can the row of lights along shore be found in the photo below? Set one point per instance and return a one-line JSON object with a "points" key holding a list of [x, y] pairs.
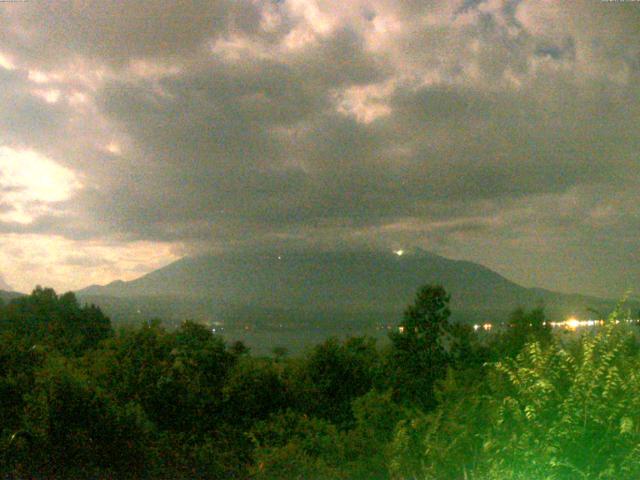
{"points": [[571, 323]]}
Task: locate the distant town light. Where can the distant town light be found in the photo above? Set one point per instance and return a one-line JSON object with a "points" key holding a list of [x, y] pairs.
{"points": [[572, 323], [399, 252]]}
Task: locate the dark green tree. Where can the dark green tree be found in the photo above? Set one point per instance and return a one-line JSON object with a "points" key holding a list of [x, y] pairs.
{"points": [[254, 390], [522, 327], [61, 322], [280, 353], [78, 432], [337, 373], [291, 445], [419, 355]]}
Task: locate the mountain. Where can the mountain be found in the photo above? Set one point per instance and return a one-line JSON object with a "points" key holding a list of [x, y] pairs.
{"points": [[8, 296], [353, 285]]}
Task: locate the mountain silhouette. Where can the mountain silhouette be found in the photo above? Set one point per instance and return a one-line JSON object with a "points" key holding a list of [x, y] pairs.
{"points": [[338, 281]]}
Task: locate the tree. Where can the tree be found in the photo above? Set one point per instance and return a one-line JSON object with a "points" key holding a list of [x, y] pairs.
{"points": [[61, 322], [280, 353], [568, 413], [295, 445], [561, 411], [136, 366], [188, 395], [78, 432], [253, 391], [290, 445], [447, 442], [419, 356], [338, 372], [523, 327]]}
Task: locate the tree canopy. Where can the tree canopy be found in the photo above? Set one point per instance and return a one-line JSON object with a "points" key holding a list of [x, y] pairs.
{"points": [[78, 400]]}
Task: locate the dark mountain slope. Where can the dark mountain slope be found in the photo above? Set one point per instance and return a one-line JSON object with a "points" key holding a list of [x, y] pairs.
{"points": [[353, 282], [8, 296]]}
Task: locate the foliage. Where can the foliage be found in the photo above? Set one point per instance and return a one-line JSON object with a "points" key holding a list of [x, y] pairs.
{"points": [[60, 322], [569, 415], [554, 412], [419, 356], [295, 445], [76, 431], [522, 327], [80, 401], [337, 374]]}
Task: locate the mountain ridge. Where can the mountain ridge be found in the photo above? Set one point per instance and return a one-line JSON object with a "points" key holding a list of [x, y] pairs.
{"points": [[7, 296], [339, 280]]}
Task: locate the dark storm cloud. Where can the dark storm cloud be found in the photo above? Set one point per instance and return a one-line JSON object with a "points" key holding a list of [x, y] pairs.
{"points": [[231, 123], [26, 119], [118, 31]]}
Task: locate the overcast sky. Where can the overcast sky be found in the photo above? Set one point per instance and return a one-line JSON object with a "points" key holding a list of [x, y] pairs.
{"points": [[500, 131]]}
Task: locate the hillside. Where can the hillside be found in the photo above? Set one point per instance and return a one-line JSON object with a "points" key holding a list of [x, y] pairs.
{"points": [[8, 296], [353, 284]]}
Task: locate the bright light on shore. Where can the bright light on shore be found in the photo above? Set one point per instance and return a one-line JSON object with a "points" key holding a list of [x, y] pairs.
{"points": [[399, 252], [573, 323]]}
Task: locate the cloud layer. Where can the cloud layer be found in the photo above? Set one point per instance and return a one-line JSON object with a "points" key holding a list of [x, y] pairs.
{"points": [[500, 131]]}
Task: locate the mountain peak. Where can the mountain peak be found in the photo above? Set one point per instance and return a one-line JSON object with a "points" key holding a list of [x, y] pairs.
{"points": [[330, 279]]}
